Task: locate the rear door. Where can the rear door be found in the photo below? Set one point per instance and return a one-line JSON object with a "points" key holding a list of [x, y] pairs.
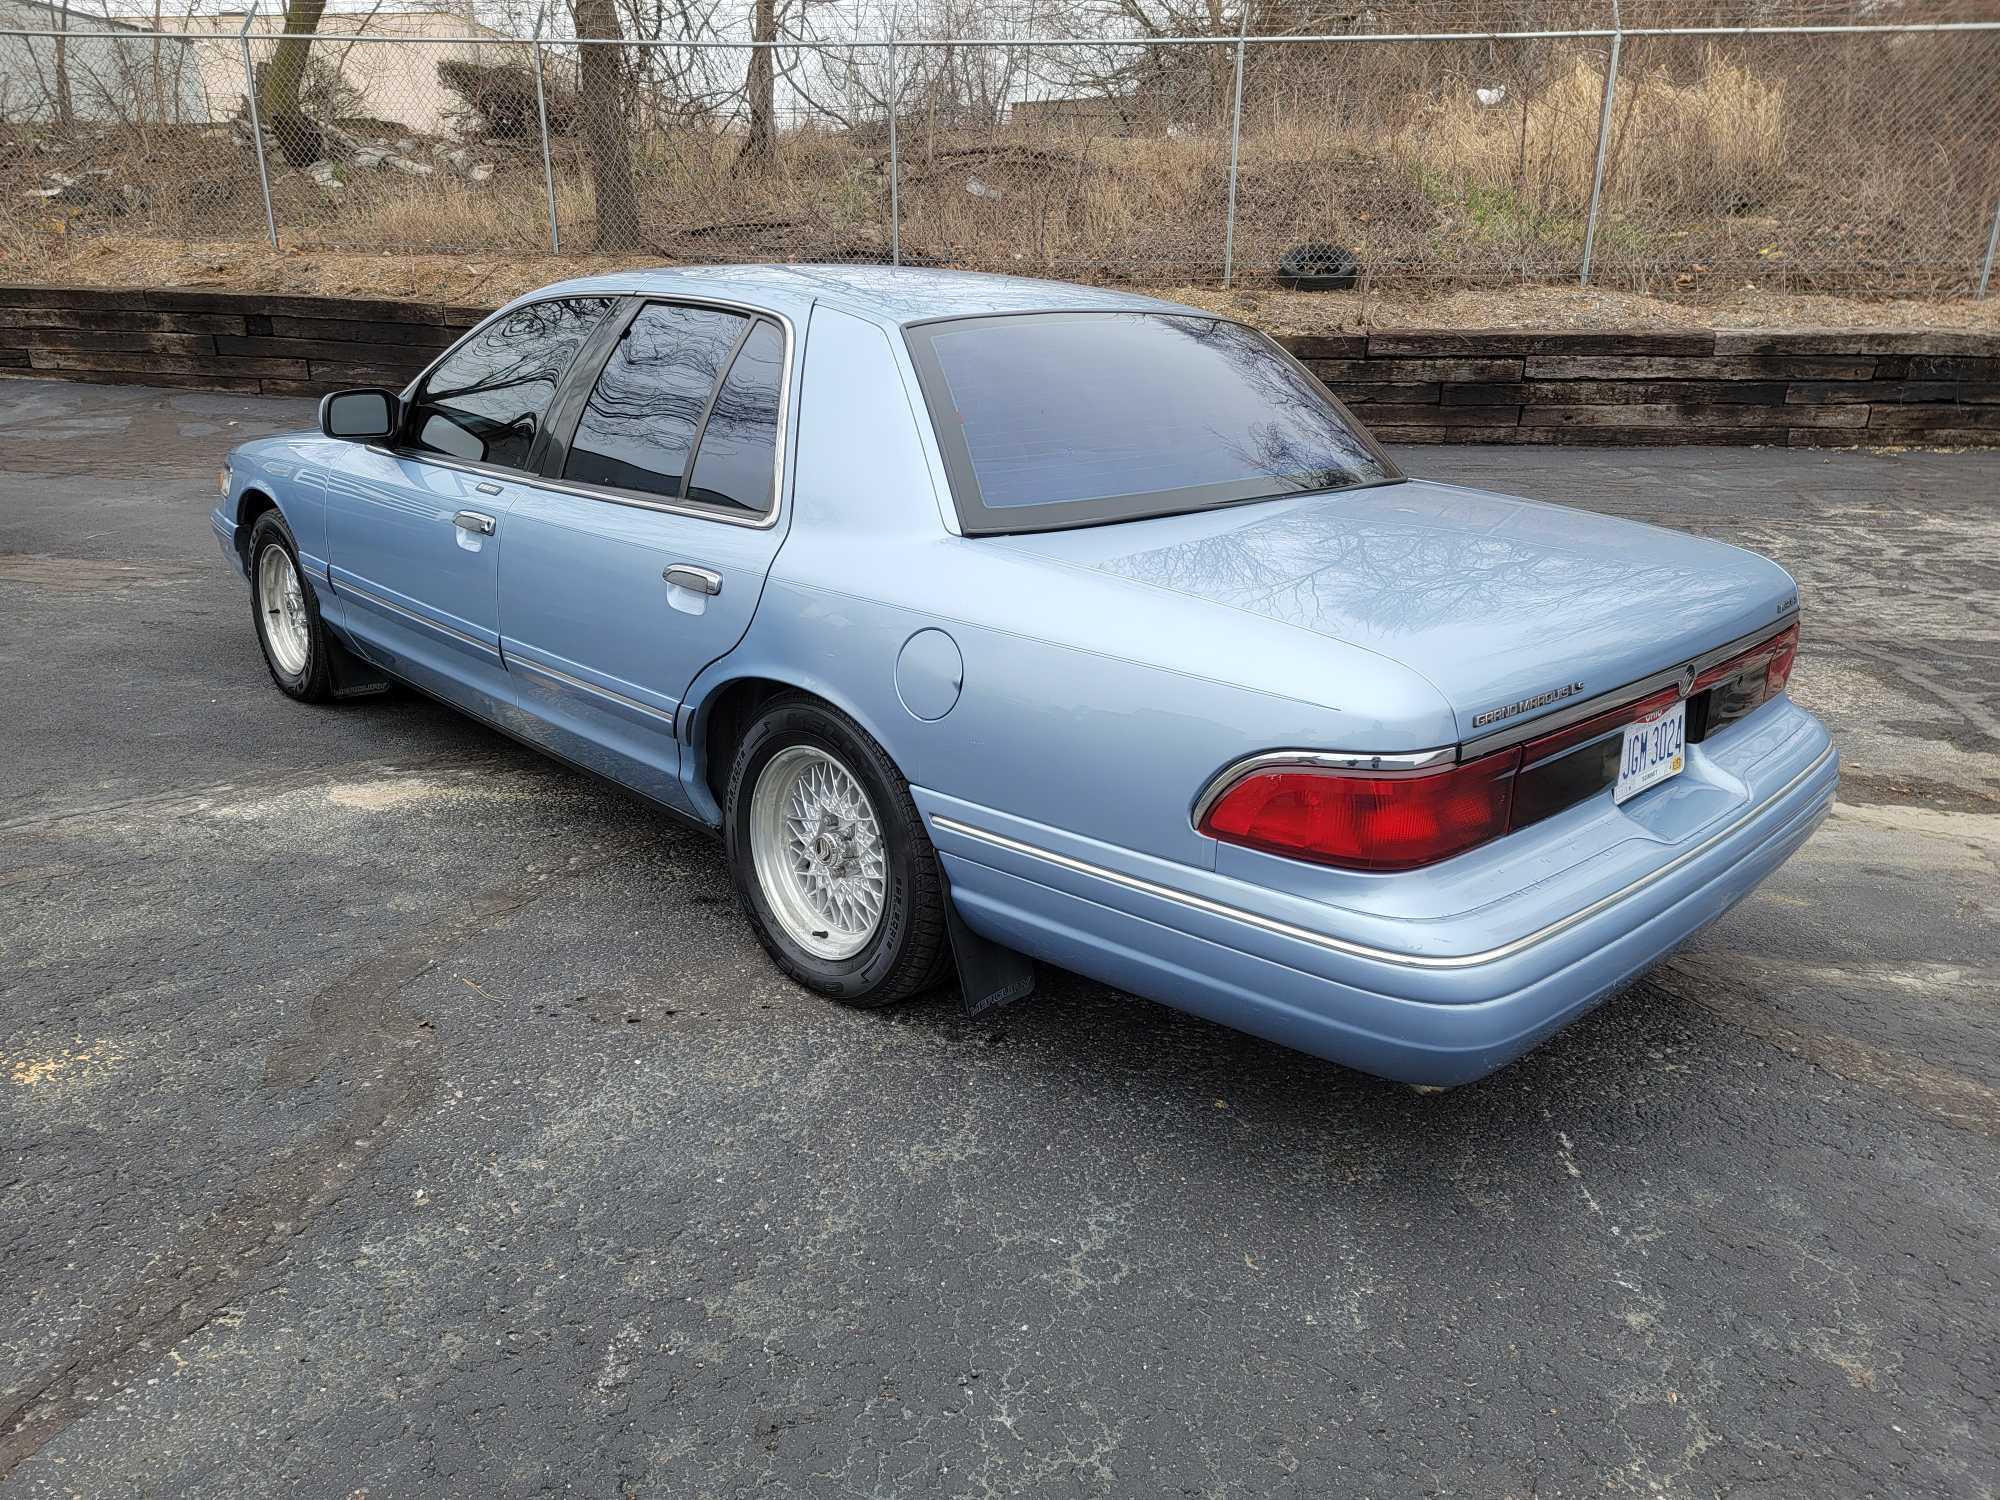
{"points": [[639, 557], [414, 531]]}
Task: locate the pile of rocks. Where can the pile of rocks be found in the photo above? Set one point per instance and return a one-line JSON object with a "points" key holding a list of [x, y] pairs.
{"points": [[340, 153], [87, 188]]}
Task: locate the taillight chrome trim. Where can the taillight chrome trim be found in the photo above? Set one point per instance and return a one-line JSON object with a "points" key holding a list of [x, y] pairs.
{"points": [[1333, 762], [1390, 764], [1531, 729]]}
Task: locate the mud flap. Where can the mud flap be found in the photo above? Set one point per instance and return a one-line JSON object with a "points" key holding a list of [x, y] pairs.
{"points": [[989, 975], [352, 676]]}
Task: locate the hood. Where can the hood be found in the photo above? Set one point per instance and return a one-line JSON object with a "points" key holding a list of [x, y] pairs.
{"points": [[1493, 599]]}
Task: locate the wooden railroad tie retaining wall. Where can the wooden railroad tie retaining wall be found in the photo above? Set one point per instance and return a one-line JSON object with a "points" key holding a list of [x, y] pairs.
{"points": [[1806, 389], [221, 341]]}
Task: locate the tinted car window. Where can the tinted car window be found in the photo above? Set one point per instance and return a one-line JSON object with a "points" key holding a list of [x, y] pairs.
{"points": [[738, 456], [1069, 419], [486, 401], [640, 423]]}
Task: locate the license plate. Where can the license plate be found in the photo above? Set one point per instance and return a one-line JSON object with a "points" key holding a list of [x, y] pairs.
{"points": [[1655, 749]]}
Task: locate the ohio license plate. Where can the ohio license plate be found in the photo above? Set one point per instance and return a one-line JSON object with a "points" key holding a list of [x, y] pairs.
{"points": [[1655, 750]]}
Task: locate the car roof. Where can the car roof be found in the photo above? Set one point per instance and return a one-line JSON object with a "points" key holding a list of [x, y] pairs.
{"points": [[889, 295]]}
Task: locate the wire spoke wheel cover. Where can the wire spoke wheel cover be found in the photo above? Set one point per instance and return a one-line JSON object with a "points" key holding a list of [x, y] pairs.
{"points": [[818, 851], [281, 603]]}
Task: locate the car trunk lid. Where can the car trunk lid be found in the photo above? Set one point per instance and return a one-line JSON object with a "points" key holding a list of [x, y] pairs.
{"points": [[1512, 609]]}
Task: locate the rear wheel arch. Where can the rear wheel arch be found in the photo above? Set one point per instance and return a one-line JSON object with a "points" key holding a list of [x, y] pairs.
{"points": [[721, 721], [726, 711]]}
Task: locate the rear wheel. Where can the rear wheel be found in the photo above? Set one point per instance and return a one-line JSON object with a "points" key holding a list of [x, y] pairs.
{"points": [[286, 610], [830, 858]]}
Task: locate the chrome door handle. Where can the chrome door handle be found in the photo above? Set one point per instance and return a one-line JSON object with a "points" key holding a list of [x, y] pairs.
{"points": [[695, 580], [472, 520]]}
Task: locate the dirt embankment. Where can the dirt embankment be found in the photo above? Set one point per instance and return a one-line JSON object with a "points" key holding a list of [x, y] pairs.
{"points": [[476, 281]]}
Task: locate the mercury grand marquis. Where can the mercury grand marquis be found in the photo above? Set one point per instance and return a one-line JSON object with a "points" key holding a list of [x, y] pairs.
{"points": [[991, 620]]}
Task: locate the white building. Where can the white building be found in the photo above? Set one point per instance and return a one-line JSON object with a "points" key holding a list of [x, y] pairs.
{"points": [[118, 74], [392, 70]]}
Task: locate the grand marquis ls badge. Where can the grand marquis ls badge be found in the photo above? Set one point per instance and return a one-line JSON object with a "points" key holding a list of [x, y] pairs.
{"points": [[1509, 710]]}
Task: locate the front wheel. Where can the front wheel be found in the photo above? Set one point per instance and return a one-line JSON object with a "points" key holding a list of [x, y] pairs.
{"points": [[295, 643], [830, 859]]}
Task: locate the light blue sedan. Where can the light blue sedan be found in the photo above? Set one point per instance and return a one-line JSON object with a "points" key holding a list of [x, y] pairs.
{"points": [[990, 620]]}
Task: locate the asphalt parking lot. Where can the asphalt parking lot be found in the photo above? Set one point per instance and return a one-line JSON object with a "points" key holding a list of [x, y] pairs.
{"points": [[388, 1110]]}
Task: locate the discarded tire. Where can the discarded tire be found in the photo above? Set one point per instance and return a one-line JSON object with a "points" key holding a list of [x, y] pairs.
{"points": [[1318, 267]]}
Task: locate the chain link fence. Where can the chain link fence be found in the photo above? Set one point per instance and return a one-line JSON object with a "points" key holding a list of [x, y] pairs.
{"points": [[1619, 148]]}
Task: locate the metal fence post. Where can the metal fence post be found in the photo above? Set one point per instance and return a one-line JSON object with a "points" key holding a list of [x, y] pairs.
{"points": [[895, 160], [542, 114], [1603, 146], [1235, 153], [1992, 244], [257, 125]]}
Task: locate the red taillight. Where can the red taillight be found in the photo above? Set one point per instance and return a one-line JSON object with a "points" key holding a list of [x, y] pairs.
{"points": [[1775, 655], [1387, 822], [1780, 671], [1367, 822]]}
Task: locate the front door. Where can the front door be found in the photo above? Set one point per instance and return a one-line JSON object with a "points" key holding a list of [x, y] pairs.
{"points": [[413, 535], [641, 557]]}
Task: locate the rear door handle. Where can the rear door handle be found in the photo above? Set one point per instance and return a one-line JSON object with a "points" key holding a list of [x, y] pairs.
{"points": [[695, 580], [472, 520]]}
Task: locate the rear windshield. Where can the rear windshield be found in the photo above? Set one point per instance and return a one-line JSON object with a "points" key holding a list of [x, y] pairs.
{"points": [[1073, 419]]}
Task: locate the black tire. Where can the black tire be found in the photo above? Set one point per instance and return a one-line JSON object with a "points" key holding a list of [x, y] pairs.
{"points": [[910, 949], [312, 683]]}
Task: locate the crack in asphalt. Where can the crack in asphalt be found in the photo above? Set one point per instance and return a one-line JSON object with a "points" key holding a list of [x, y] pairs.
{"points": [[356, 1018]]}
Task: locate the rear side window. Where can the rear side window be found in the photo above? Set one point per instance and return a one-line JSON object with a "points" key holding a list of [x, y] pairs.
{"points": [[1073, 419], [641, 423], [486, 402], [736, 461]]}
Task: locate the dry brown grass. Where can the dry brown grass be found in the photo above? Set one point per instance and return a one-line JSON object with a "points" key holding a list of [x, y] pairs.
{"points": [[1711, 145], [511, 217], [485, 281]]}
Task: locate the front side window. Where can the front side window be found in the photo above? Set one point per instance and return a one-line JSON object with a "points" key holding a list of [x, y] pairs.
{"points": [[1051, 420], [487, 400], [640, 426]]}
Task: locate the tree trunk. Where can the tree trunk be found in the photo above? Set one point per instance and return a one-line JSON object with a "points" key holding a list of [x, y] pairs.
{"points": [[1221, 63], [283, 79], [601, 116], [285, 74], [65, 104], [760, 86]]}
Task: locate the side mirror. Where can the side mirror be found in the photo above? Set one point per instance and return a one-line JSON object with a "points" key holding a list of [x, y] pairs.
{"points": [[359, 416]]}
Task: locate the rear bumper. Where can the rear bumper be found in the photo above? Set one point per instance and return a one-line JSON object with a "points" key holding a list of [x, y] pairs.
{"points": [[1433, 1013]]}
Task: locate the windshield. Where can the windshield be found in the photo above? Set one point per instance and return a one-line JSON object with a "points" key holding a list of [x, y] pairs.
{"points": [[1074, 419]]}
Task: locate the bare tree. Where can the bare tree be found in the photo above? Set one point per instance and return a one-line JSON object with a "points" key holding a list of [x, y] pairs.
{"points": [[65, 104], [283, 81], [677, 86], [759, 85], [601, 116]]}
